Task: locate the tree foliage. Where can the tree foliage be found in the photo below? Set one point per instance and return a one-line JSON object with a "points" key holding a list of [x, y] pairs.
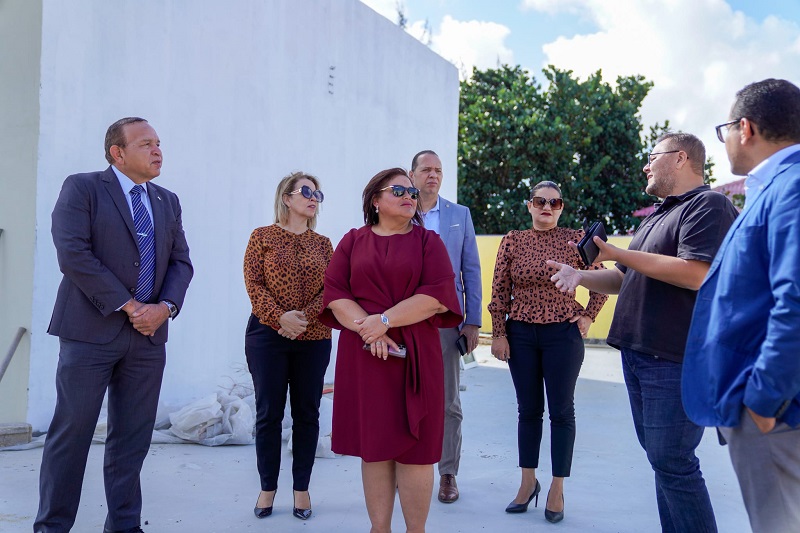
{"points": [[584, 135]]}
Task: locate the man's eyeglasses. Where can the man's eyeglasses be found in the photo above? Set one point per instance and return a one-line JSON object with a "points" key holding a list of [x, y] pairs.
{"points": [[727, 127], [555, 203], [652, 156], [400, 191], [306, 191]]}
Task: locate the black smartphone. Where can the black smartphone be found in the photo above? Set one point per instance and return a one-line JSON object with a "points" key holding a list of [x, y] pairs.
{"points": [[461, 344], [587, 248], [400, 352]]}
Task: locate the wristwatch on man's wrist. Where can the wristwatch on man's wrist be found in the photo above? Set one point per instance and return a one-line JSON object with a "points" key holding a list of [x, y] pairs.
{"points": [[173, 309], [385, 320]]}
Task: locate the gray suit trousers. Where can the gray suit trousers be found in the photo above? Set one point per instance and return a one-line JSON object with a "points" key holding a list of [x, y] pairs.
{"points": [[768, 468], [451, 446]]}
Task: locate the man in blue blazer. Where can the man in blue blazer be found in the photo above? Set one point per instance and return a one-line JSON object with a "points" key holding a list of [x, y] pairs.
{"points": [[122, 250], [742, 366], [453, 223]]}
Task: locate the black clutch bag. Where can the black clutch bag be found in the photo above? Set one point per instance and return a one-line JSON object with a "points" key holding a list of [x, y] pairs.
{"points": [[587, 248], [461, 344]]}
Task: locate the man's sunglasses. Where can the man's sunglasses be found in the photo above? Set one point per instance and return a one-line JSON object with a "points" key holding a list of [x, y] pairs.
{"points": [[306, 191], [400, 191], [555, 203]]}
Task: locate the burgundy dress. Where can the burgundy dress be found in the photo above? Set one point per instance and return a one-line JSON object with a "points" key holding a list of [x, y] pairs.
{"points": [[390, 409]]}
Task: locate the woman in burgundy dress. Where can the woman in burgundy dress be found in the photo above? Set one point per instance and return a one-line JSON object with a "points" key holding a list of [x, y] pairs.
{"points": [[390, 285]]}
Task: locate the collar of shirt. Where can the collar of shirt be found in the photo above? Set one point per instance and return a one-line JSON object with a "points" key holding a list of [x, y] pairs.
{"points": [[434, 208], [127, 184], [763, 173], [669, 201], [431, 217]]}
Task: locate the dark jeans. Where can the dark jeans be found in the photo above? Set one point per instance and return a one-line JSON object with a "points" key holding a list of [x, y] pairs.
{"points": [[670, 439], [545, 357], [277, 363]]}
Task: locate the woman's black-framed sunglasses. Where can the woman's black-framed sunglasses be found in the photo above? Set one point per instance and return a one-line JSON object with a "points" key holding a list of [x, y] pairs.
{"points": [[306, 191], [540, 202], [400, 191]]}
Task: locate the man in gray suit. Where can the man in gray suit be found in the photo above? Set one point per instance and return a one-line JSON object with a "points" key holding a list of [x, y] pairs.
{"points": [[121, 248], [453, 223]]}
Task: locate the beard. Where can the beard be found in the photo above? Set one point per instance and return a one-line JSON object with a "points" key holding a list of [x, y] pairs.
{"points": [[662, 185]]}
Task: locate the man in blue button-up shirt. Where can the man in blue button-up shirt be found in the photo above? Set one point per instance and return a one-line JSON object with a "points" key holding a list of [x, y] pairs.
{"points": [[741, 369]]}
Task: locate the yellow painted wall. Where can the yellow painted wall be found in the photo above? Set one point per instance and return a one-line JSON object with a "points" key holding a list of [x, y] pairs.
{"points": [[487, 249]]}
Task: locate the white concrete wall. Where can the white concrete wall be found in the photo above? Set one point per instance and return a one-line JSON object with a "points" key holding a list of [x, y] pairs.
{"points": [[240, 95], [20, 43]]}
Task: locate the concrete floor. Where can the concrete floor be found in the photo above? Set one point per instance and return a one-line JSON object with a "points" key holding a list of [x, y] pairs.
{"points": [[192, 488]]}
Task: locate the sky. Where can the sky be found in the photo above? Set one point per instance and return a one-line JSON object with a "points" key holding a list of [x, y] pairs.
{"points": [[697, 53]]}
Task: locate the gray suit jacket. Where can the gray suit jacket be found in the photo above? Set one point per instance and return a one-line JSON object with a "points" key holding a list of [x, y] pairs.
{"points": [[97, 250], [458, 234]]}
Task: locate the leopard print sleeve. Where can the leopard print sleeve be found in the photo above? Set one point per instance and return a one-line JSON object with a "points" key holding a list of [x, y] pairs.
{"points": [[264, 305]]}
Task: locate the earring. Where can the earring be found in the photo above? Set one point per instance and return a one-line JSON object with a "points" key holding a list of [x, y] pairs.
{"points": [[376, 209]]}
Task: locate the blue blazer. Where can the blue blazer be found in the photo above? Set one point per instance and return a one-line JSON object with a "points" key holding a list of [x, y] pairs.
{"points": [[97, 251], [458, 234], [744, 341]]}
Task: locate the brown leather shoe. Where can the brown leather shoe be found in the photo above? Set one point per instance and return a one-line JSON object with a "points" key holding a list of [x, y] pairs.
{"points": [[448, 490]]}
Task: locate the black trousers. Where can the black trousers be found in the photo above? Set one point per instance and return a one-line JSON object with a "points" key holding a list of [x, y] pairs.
{"points": [[277, 364], [130, 367], [545, 357]]}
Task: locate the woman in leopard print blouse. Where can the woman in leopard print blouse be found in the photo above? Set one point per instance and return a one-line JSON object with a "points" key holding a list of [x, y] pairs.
{"points": [[539, 330], [285, 344]]}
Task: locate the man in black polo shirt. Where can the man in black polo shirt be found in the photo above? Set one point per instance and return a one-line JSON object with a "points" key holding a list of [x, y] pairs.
{"points": [[657, 279]]}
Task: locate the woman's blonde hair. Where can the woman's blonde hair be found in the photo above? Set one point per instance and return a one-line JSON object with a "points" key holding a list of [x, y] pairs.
{"points": [[287, 185]]}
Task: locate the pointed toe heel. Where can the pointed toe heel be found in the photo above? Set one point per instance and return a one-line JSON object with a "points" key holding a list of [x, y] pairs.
{"points": [[523, 507], [302, 514], [554, 517], [263, 512]]}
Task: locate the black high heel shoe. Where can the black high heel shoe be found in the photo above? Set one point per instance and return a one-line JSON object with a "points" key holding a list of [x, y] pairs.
{"points": [[522, 507], [302, 514], [263, 512], [554, 516]]}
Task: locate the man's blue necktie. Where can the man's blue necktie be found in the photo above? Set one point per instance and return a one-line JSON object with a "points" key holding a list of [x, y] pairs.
{"points": [[147, 246]]}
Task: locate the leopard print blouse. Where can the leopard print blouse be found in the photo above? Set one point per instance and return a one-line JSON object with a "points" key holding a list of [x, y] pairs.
{"points": [[521, 288], [283, 272]]}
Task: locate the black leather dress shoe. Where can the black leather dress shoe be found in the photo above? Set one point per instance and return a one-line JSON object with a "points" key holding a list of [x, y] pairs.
{"points": [[522, 507], [136, 529]]}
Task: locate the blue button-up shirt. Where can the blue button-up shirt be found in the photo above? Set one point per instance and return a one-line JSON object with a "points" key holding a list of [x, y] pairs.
{"points": [[764, 171], [431, 218]]}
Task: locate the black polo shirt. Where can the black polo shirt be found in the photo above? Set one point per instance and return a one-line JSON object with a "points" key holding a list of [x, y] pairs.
{"points": [[652, 316]]}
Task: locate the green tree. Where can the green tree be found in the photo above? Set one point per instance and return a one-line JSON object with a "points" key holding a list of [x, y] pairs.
{"points": [[584, 135]]}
